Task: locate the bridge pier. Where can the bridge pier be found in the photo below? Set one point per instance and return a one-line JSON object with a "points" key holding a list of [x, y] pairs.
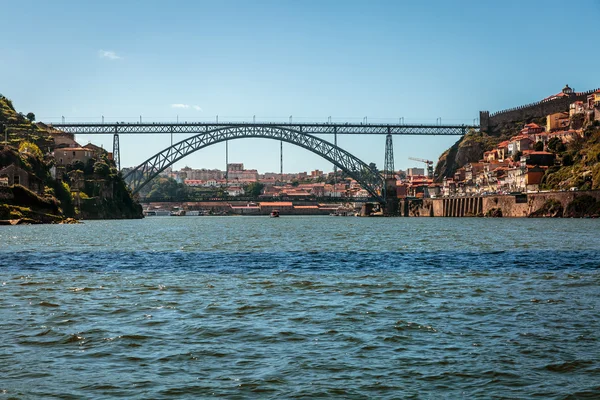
{"points": [[116, 152], [391, 199]]}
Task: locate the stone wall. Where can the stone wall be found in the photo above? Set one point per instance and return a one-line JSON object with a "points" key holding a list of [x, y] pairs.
{"points": [[529, 111], [511, 205]]}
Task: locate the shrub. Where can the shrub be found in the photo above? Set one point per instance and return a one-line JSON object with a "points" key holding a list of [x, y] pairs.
{"points": [[31, 148], [567, 160], [550, 208], [582, 206], [76, 165], [101, 169]]}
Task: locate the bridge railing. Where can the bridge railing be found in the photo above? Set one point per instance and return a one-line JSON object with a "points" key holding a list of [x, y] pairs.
{"points": [[309, 128]]}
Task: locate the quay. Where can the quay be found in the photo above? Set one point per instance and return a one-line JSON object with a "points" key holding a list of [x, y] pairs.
{"points": [[509, 205]]}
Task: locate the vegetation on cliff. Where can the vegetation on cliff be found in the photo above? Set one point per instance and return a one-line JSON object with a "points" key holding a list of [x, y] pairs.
{"points": [[469, 148], [583, 206], [90, 191], [579, 163], [552, 208]]}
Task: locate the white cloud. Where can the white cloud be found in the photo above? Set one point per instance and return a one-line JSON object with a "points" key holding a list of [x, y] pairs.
{"points": [[181, 105], [111, 55]]}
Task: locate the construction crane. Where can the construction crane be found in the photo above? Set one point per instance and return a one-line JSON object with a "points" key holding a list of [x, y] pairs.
{"points": [[429, 165]]}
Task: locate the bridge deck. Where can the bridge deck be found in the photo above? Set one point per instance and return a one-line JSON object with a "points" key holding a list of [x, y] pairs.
{"points": [[309, 128]]}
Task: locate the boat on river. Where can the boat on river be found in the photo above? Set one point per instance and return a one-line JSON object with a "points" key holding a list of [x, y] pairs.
{"points": [[274, 214], [156, 213]]}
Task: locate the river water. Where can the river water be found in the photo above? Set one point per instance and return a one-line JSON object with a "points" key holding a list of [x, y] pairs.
{"points": [[301, 307]]}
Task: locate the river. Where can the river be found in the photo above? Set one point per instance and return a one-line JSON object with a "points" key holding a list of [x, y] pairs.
{"points": [[301, 307]]}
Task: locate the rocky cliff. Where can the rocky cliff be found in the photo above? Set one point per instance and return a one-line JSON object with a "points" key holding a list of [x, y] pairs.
{"points": [[469, 148]]}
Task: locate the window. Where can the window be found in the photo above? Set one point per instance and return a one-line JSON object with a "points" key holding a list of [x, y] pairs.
{"points": [[16, 180]]}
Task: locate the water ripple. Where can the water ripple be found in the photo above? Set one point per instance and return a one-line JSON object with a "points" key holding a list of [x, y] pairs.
{"points": [[158, 314]]}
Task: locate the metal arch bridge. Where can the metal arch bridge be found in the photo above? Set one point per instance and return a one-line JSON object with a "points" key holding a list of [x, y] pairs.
{"points": [[300, 134], [370, 179]]}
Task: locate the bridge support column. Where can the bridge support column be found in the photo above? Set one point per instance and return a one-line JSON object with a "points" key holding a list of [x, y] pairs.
{"points": [[388, 168], [116, 151], [391, 199]]}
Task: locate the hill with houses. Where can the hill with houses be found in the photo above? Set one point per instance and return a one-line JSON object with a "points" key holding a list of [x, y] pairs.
{"points": [[555, 151], [47, 177]]}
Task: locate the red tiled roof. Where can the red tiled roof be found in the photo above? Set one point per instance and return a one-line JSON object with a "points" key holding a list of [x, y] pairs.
{"points": [[561, 94], [74, 149]]}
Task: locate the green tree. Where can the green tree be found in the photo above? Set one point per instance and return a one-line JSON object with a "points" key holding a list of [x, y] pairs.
{"points": [[167, 188], [538, 146], [567, 160], [101, 169], [517, 156], [556, 145], [254, 189], [30, 116], [89, 166], [76, 165]]}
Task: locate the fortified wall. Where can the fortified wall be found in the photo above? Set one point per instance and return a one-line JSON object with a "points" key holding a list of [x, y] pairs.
{"points": [[529, 111], [521, 205]]}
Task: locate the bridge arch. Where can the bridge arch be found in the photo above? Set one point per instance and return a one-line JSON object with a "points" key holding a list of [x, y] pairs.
{"points": [[353, 166]]}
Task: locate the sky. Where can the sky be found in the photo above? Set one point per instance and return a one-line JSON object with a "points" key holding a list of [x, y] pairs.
{"points": [[384, 60]]}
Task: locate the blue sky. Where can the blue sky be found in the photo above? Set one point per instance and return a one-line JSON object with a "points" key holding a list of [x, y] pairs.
{"points": [[309, 59]]}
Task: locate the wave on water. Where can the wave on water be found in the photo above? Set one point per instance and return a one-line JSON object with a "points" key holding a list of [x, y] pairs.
{"points": [[236, 262]]}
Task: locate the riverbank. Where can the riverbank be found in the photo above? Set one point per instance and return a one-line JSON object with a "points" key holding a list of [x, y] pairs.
{"points": [[578, 204], [245, 208]]}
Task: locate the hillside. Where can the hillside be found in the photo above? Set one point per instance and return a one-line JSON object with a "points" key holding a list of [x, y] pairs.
{"points": [[549, 145], [36, 187], [470, 148], [579, 164]]}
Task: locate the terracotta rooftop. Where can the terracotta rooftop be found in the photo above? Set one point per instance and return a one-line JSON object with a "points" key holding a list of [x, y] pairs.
{"points": [[74, 149]]}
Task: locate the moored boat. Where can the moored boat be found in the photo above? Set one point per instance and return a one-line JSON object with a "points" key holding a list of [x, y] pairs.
{"points": [[274, 214]]}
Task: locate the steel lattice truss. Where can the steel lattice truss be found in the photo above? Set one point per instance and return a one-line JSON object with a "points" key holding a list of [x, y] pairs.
{"points": [[312, 128], [389, 171], [357, 169]]}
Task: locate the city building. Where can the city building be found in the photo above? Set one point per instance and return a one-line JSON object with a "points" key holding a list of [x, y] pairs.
{"points": [[415, 171], [557, 121], [65, 156], [13, 175]]}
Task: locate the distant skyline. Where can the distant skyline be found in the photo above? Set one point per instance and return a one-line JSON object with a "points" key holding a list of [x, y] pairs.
{"points": [[194, 60]]}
